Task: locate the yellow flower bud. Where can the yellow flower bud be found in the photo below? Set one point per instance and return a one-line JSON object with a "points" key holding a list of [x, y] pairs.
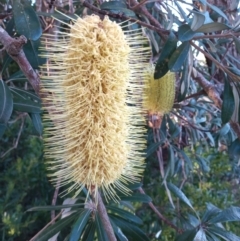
{"points": [[160, 93], [94, 134]]}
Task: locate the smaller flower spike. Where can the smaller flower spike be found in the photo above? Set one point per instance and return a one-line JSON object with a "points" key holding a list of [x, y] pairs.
{"points": [[159, 93], [93, 88]]}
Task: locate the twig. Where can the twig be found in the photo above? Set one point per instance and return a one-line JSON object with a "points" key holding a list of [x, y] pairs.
{"points": [[104, 218], [213, 36], [213, 94], [17, 140], [51, 222], [13, 46], [165, 220], [54, 200], [161, 31], [220, 66]]}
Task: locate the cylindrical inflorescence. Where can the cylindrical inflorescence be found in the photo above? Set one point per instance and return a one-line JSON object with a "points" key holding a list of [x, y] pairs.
{"points": [[92, 90], [159, 93]]}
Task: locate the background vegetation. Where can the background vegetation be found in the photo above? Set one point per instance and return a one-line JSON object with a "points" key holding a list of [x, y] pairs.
{"points": [[190, 189]]}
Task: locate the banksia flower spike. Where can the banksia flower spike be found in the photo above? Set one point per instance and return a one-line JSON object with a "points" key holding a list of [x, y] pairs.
{"points": [[160, 95], [94, 133]]}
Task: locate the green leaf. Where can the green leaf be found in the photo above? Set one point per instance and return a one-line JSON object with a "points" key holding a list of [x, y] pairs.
{"points": [[89, 232], [136, 197], [153, 147], [31, 51], [217, 10], [55, 228], [26, 106], [234, 149], [6, 103], [134, 186], [24, 94], [80, 225], [124, 214], [211, 236], [224, 234], [57, 207], [187, 235], [178, 192], [211, 211], [171, 159], [237, 44], [6, 61], [173, 128], [198, 20], [117, 7], [101, 233], [228, 103], [118, 232], [201, 235], [58, 15], [212, 27], [228, 215], [26, 21], [2, 129], [178, 57], [169, 47], [131, 230], [185, 33], [37, 123], [112, 5]]}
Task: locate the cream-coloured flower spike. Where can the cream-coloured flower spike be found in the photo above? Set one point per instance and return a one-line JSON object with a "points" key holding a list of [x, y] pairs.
{"points": [[93, 88], [159, 93]]}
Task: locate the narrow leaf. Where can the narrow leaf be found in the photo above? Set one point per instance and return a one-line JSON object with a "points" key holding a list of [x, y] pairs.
{"points": [[129, 229], [37, 123], [89, 232], [124, 214], [185, 33], [120, 235], [101, 233], [178, 57], [201, 235], [217, 10], [136, 197], [26, 106], [228, 103], [198, 20], [153, 147], [162, 64], [24, 94], [212, 27], [178, 192], [6, 103], [26, 21], [224, 234], [2, 129], [237, 43], [55, 228], [57, 207], [187, 235], [228, 215], [80, 225]]}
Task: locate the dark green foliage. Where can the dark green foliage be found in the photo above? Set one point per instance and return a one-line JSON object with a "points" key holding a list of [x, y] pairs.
{"points": [[192, 161], [24, 184]]}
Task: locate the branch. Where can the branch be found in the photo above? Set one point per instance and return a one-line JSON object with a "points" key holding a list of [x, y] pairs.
{"points": [[208, 87], [165, 220], [138, 7], [159, 30], [13, 46], [219, 65], [105, 219], [213, 94]]}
